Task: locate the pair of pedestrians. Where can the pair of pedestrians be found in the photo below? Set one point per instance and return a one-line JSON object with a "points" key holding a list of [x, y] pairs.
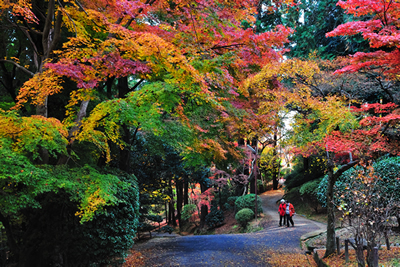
{"points": [[286, 212]]}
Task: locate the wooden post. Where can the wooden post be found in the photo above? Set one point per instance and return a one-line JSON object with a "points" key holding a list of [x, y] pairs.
{"points": [[337, 245], [387, 240], [375, 263], [346, 249]]}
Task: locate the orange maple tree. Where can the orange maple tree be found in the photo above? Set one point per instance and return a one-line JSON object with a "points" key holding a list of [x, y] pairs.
{"points": [[188, 53], [114, 68]]}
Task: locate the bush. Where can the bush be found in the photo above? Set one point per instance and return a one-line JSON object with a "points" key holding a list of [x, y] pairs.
{"points": [[227, 206], [309, 190], [225, 193], [145, 227], [247, 201], [244, 216], [388, 168], [167, 229], [339, 186], [55, 231], [215, 217], [231, 201], [110, 234], [155, 218]]}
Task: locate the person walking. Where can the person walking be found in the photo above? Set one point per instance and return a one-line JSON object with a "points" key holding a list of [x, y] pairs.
{"points": [[289, 211], [282, 212]]}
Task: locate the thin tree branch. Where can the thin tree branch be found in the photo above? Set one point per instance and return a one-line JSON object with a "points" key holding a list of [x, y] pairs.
{"points": [[18, 66], [136, 85]]}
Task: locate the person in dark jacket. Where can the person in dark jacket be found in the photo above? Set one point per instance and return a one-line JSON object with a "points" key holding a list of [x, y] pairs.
{"points": [[282, 211], [289, 212]]}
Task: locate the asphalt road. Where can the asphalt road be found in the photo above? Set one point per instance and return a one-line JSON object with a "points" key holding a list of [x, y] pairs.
{"points": [[231, 249]]}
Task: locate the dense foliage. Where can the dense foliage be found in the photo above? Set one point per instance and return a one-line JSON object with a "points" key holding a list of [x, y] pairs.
{"points": [[215, 217], [97, 94], [248, 201], [244, 216], [305, 170], [387, 168]]}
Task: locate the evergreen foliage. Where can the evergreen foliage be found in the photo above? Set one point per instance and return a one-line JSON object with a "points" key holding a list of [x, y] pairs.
{"points": [[311, 21], [53, 232], [215, 217], [244, 216], [248, 201], [387, 168], [301, 174]]}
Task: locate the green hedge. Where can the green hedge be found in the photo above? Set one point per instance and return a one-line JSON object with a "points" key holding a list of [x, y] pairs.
{"points": [[248, 201], [244, 216]]}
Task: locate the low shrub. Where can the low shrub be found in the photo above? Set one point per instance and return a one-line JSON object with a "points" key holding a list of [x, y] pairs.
{"points": [[231, 200], [244, 216], [309, 191], [167, 229], [227, 206], [215, 217]]}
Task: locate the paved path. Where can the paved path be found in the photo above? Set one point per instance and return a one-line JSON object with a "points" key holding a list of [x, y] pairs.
{"points": [[231, 249]]}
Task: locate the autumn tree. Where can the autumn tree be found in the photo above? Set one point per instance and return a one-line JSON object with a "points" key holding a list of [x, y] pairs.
{"points": [[121, 68], [366, 198], [377, 25], [262, 103], [317, 115], [31, 193]]}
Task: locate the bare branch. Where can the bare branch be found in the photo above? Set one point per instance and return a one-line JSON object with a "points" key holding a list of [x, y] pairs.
{"points": [[18, 66]]}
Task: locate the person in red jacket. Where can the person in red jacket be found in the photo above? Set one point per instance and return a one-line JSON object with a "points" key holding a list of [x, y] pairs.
{"points": [[282, 211], [289, 211]]}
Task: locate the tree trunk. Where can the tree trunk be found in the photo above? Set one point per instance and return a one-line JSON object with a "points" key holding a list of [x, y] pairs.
{"points": [[109, 84], [330, 233], [179, 200], [275, 165], [166, 213], [172, 219], [306, 162], [74, 131], [185, 192], [360, 255], [252, 184], [203, 209], [332, 177], [12, 244], [125, 153], [370, 254]]}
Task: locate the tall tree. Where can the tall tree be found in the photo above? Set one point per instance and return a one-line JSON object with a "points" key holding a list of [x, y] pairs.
{"points": [[311, 20], [121, 67]]}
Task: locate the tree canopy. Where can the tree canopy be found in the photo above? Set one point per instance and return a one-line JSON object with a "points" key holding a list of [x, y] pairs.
{"points": [[108, 105]]}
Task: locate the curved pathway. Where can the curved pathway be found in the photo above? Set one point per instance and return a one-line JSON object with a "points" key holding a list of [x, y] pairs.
{"points": [[231, 249]]}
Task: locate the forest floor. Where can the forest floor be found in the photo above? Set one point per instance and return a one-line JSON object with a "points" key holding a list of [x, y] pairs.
{"points": [[263, 244]]}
